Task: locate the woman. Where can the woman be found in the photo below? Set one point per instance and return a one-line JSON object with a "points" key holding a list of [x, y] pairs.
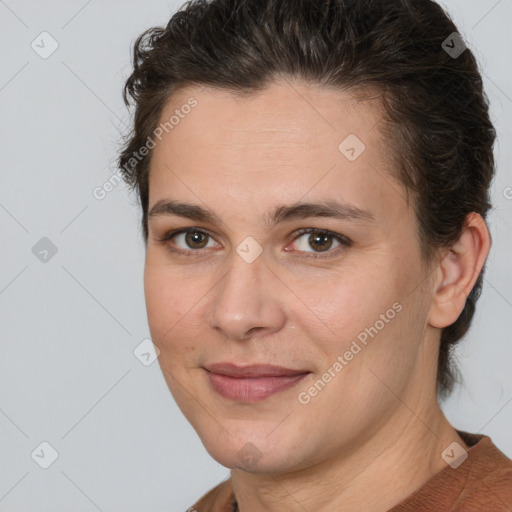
{"points": [[314, 181]]}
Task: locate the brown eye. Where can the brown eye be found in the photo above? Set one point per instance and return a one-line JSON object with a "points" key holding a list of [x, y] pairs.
{"points": [[196, 239], [188, 242], [313, 241], [320, 241]]}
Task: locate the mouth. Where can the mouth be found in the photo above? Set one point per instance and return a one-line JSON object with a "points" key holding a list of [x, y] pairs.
{"points": [[252, 383]]}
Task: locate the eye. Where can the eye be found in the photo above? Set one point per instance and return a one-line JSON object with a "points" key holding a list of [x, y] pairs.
{"points": [[320, 241], [187, 241]]}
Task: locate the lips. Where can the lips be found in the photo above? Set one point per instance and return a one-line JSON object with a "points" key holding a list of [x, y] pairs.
{"points": [[252, 383], [256, 370]]}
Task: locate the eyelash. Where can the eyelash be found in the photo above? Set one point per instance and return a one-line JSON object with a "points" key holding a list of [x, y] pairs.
{"points": [[343, 240]]}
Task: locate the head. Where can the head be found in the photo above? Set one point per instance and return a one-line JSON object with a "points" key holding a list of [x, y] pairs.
{"points": [[254, 120]]}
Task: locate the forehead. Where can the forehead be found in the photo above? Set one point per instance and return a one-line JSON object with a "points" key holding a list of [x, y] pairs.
{"points": [[295, 111], [274, 146]]}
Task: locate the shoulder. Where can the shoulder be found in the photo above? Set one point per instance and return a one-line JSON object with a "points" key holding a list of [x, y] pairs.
{"points": [[482, 482], [489, 478], [218, 499]]}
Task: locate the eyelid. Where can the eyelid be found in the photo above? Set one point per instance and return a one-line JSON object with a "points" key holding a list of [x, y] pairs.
{"points": [[164, 240], [344, 241]]}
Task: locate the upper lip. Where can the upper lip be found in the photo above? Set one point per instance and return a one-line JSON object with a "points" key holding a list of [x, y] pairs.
{"points": [[255, 370]]}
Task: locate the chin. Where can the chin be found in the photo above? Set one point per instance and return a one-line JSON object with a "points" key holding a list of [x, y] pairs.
{"points": [[254, 452]]}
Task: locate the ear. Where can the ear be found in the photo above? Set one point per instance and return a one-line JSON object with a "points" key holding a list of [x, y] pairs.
{"points": [[458, 271]]}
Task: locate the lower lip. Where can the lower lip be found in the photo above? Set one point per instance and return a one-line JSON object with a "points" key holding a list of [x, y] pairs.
{"points": [[252, 389]]}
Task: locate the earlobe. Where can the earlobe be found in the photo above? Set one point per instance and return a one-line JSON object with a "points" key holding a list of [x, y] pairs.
{"points": [[459, 269]]}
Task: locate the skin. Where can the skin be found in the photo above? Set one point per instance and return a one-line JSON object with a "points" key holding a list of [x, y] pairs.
{"points": [[375, 433]]}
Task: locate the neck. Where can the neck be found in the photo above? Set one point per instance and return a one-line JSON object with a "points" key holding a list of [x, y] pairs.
{"points": [[384, 469]]}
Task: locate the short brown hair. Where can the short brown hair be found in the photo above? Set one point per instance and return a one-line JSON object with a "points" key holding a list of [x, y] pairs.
{"points": [[437, 112]]}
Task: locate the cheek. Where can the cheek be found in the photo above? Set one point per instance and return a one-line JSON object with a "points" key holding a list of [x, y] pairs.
{"points": [[170, 299], [341, 304], [171, 306]]}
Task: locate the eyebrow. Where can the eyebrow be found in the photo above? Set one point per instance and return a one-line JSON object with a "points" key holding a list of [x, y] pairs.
{"points": [[300, 210]]}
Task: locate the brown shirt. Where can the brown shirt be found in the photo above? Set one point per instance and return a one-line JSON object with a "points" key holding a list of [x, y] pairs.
{"points": [[482, 483]]}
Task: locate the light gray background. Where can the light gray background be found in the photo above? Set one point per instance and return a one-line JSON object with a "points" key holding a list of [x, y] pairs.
{"points": [[68, 374]]}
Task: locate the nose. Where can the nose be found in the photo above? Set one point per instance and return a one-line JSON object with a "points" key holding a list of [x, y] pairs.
{"points": [[248, 301]]}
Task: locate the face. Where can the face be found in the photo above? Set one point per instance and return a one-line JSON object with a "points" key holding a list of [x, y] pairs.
{"points": [[231, 275]]}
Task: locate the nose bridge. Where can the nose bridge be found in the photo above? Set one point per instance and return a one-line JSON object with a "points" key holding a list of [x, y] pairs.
{"points": [[244, 300]]}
